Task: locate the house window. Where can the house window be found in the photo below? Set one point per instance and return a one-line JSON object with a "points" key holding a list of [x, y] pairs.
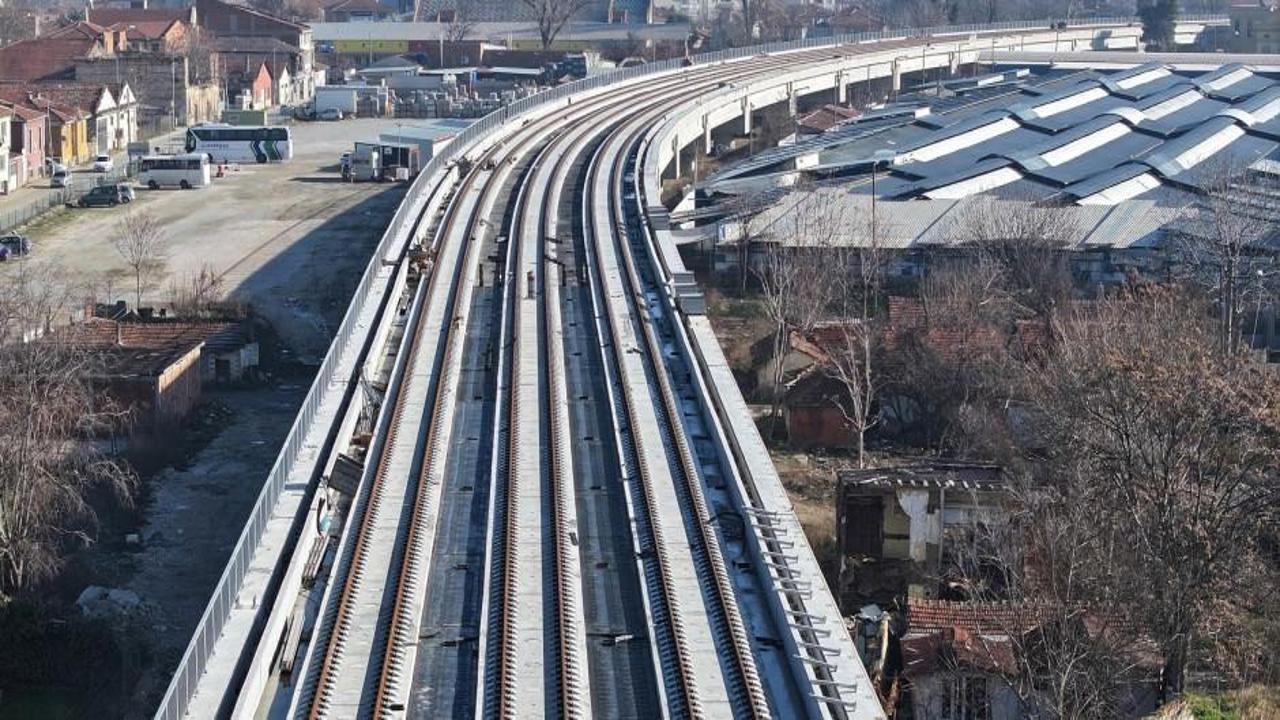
{"points": [[966, 698]]}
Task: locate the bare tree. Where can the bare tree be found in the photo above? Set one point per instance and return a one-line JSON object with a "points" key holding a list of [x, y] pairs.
{"points": [[201, 54], [1027, 242], [198, 294], [857, 265], [49, 408], [552, 15], [17, 22], [1064, 656], [1173, 449], [745, 213], [1224, 248], [460, 23], [140, 242], [797, 292]]}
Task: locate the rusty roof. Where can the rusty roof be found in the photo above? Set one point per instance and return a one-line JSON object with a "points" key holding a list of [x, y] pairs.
{"points": [[43, 57], [932, 474], [104, 334], [81, 29], [145, 29], [81, 96]]}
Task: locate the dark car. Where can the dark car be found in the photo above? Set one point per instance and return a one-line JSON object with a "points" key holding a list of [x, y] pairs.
{"points": [[103, 195], [14, 245]]}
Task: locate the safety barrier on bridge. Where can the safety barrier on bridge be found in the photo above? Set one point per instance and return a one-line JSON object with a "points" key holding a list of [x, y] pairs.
{"points": [[392, 245]]}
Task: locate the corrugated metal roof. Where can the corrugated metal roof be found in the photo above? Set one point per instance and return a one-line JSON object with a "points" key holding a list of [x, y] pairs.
{"points": [[1128, 224]]}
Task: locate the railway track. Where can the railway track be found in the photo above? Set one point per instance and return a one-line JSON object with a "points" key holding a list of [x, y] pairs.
{"points": [[533, 657]]}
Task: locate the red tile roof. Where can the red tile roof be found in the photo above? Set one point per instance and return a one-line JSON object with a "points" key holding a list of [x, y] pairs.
{"points": [[26, 113], [82, 96], [132, 16], [103, 334], [931, 616], [29, 95], [145, 29], [81, 29], [42, 57]]}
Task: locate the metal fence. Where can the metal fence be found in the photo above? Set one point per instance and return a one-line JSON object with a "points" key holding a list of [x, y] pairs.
{"points": [[194, 660], [56, 197]]}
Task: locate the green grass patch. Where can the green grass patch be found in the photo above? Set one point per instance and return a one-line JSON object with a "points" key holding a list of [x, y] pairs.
{"points": [[1204, 707]]}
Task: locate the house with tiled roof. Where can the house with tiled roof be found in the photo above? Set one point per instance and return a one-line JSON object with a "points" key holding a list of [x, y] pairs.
{"points": [[229, 349], [111, 117], [238, 27], [6, 122], [46, 58], [68, 126], [961, 659], [27, 143], [156, 36], [109, 16]]}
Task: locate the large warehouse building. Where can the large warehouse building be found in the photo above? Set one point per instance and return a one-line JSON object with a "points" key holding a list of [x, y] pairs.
{"points": [[1123, 158]]}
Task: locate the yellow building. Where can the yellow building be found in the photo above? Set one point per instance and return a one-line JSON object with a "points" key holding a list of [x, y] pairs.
{"points": [[69, 135]]}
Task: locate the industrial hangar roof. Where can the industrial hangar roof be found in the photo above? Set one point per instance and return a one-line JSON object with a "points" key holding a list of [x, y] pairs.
{"points": [[1084, 138]]}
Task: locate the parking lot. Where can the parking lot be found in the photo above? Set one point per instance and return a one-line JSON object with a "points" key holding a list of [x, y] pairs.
{"points": [[289, 238]]}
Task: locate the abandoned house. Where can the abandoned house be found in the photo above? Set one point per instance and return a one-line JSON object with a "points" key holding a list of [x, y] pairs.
{"points": [[893, 525], [229, 355], [961, 660], [811, 395], [158, 369]]}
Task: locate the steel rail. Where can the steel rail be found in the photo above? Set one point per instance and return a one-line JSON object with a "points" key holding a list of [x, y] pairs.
{"points": [[757, 705], [346, 608]]}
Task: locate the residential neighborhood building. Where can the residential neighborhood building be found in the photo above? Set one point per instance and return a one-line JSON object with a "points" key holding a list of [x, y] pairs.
{"points": [[250, 88], [163, 83], [68, 131], [28, 133], [895, 525], [243, 30], [6, 179], [112, 117], [146, 29]]}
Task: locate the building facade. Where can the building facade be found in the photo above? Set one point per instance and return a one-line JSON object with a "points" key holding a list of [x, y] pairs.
{"points": [[242, 29], [162, 83]]}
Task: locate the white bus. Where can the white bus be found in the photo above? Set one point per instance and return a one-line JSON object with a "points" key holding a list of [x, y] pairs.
{"points": [[184, 171], [241, 144]]}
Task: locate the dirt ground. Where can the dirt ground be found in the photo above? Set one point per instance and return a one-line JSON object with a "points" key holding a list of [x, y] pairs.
{"points": [[290, 238]]}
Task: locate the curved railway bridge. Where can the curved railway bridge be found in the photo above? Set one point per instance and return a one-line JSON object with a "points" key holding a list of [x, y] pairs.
{"points": [[524, 483]]}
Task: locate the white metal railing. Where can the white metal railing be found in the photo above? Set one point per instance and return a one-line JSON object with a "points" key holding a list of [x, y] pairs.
{"points": [[194, 660]]}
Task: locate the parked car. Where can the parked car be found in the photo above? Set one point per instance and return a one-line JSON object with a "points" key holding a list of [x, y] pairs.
{"points": [[14, 245], [103, 163], [105, 196], [61, 178], [330, 114]]}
